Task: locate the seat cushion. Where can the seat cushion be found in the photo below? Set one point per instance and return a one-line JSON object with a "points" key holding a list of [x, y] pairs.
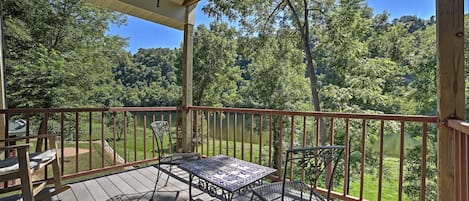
{"points": [[11, 165]]}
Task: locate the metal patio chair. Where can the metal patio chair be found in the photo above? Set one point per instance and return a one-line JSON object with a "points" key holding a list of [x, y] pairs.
{"points": [[167, 156], [313, 160]]}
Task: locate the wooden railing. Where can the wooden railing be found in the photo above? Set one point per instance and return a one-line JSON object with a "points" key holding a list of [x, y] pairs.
{"points": [[94, 140], [256, 135], [461, 158], [115, 138]]}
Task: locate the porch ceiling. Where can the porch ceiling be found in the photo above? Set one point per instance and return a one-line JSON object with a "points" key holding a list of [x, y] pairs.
{"points": [[170, 13]]}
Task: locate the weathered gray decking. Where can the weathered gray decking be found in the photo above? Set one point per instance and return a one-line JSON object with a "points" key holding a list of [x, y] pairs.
{"points": [[135, 184]]}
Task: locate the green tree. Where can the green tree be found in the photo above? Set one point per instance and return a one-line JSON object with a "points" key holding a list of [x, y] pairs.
{"points": [[150, 77], [277, 79], [58, 55], [311, 21], [216, 74]]}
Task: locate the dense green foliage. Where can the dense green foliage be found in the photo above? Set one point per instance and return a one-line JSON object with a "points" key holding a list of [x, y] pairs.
{"points": [[326, 55], [57, 54]]}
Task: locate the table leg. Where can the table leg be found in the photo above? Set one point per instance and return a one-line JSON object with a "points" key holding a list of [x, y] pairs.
{"points": [[190, 186], [227, 195]]}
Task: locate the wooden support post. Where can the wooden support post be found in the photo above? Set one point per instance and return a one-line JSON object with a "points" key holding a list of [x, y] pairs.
{"points": [[2, 81], [187, 65], [451, 98]]}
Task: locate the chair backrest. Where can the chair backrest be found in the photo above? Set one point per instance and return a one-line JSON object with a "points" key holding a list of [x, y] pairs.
{"points": [[313, 161], [160, 128]]}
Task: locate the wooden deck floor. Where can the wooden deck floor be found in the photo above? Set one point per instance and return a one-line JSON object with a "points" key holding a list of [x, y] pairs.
{"points": [[135, 184]]}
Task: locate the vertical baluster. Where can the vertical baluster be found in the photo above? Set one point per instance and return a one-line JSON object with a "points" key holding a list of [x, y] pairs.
{"points": [[144, 135], [250, 137], [362, 163], [260, 139], [381, 158], [423, 174], [103, 118], [292, 139], [153, 119], [7, 143], [280, 146], [457, 163], [90, 141], [220, 135], [318, 122], [196, 131], [125, 137], [227, 132], [169, 131], [27, 127], [235, 139], [76, 141], [401, 161], [202, 131], [135, 137], [270, 140], [62, 140], [466, 166], [208, 133], [347, 157], [177, 128], [191, 114], [318, 119], [46, 127], [213, 132], [114, 142], [242, 135], [331, 129], [303, 145]]}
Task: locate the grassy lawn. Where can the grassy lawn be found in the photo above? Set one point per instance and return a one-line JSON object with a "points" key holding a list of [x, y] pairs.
{"points": [[83, 163], [390, 183]]}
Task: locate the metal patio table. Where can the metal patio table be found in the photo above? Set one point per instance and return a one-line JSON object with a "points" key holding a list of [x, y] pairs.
{"points": [[229, 174]]}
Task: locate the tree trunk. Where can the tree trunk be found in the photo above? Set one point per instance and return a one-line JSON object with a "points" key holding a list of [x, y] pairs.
{"points": [[304, 31]]}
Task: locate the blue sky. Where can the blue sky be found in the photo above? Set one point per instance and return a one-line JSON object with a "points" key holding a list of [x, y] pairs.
{"points": [[145, 34]]}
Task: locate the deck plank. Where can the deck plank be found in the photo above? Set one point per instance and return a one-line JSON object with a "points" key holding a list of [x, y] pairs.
{"points": [[172, 184], [121, 184], [67, 195], [134, 183], [96, 190], [149, 182], [81, 192], [108, 186]]}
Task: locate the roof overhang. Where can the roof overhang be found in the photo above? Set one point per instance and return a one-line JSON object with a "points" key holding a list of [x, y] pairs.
{"points": [[171, 13]]}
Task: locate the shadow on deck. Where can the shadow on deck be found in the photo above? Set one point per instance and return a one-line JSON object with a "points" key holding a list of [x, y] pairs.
{"points": [[135, 184]]}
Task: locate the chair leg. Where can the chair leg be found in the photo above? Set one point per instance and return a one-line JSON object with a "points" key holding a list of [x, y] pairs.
{"points": [[57, 182], [167, 178], [156, 183], [56, 172], [25, 175]]}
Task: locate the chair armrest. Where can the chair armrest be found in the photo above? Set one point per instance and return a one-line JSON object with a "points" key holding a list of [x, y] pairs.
{"points": [[21, 146]]}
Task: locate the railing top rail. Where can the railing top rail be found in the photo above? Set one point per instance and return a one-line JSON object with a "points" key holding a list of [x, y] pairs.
{"points": [[111, 109], [458, 125], [391, 117]]}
